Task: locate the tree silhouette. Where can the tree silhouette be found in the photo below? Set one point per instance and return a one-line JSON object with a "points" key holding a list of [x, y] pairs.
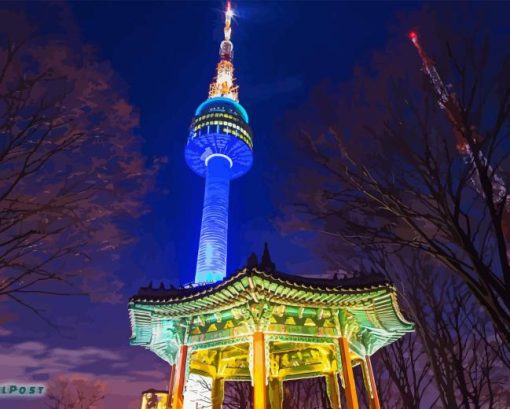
{"points": [[68, 392], [383, 184], [386, 170], [70, 164]]}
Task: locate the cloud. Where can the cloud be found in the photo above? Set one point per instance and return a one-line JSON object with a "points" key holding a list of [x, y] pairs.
{"points": [[30, 348], [31, 359], [122, 372], [84, 356]]}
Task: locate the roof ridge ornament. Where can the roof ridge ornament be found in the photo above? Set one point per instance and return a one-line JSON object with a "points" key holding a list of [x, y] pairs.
{"points": [[266, 263]]}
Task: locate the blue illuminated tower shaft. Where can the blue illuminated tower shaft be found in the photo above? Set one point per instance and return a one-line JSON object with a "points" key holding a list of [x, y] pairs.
{"points": [[219, 148], [212, 248]]}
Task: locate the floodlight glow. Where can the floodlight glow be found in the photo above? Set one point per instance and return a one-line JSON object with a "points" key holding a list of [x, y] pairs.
{"points": [[212, 249]]}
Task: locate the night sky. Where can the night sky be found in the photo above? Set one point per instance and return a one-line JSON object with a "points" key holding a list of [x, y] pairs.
{"points": [[166, 53]]}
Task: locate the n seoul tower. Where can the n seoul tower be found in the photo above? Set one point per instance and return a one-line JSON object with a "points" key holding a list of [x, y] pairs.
{"points": [[219, 148]]}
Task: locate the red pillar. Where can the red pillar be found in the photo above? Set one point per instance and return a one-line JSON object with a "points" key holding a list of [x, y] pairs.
{"points": [[368, 374], [259, 371], [170, 386], [350, 385], [179, 378]]}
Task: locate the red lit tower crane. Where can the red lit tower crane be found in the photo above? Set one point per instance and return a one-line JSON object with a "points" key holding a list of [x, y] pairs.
{"points": [[447, 101]]}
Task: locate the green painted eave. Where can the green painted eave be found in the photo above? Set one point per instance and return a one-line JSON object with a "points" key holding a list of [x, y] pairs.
{"points": [[157, 315]]}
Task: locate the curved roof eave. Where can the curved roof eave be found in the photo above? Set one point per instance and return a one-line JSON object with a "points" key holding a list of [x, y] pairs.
{"points": [[178, 295]]}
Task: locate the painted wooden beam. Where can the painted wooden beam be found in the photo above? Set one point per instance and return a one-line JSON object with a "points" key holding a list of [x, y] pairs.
{"points": [[333, 390], [217, 392], [276, 393]]}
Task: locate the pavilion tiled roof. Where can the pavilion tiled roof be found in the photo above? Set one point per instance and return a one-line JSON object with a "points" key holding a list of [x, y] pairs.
{"points": [[358, 284]]}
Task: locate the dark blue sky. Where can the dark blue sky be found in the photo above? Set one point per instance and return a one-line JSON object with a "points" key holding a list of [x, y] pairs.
{"points": [[167, 51]]}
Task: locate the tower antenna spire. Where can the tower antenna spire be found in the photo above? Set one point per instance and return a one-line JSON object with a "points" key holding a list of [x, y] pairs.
{"points": [[448, 101], [228, 19], [223, 84]]}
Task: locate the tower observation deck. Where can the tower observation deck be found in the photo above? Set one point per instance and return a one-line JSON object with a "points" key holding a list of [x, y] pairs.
{"points": [[219, 148]]}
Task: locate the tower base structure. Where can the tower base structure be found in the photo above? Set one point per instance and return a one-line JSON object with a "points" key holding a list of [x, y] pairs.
{"points": [[267, 327]]}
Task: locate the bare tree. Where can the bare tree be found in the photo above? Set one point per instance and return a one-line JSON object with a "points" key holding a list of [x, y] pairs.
{"points": [[238, 395], [388, 387], [459, 341], [70, 164], [408, 369], [74, 393], [200, 389], [305, 393], [384, 175], [398, 180]]}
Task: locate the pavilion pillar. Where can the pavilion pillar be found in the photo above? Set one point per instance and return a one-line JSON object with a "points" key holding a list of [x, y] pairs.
{"points": [[259, 371], [333, 390], [350, 386], [371, 387], [217, 392], [170, 386], [179, 378], [276, 393]]}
